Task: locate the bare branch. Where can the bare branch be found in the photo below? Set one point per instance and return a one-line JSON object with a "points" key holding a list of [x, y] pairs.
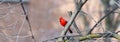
{"points": [[74, 24], [27, 18], [89, 36], [72, 19], [101, 20]]}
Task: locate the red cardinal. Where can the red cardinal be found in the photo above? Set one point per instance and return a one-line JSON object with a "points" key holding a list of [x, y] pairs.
{"points": [[63, 22]]}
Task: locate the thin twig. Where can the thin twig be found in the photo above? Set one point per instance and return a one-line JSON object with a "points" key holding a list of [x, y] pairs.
{"points": [[101, 20], [27, 18], [117, 3], [20, 30]]}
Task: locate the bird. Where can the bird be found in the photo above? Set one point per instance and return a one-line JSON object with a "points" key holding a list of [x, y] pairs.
{"points": [[63, 22]]}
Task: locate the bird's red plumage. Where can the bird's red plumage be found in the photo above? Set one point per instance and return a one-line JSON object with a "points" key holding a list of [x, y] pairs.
{"points": [[63, 22]]}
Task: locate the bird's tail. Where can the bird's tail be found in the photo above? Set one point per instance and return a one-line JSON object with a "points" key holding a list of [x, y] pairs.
{"points": [[70, 30]]}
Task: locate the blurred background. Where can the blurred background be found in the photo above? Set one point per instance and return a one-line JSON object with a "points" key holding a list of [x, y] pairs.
{"points": [[44, 19]]}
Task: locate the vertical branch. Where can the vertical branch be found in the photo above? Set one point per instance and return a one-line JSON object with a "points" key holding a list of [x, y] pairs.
{"points": [[78, 3], [27, 18], [117, 21], [85, 22]]}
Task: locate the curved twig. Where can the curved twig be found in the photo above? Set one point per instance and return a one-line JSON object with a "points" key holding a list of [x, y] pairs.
{"points": [[101, 20]]}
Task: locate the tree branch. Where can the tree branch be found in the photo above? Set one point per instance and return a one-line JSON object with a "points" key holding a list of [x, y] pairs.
{"points": [[87, 37], [27, 18], [101, 20], [74, 24], [71, 20]]}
